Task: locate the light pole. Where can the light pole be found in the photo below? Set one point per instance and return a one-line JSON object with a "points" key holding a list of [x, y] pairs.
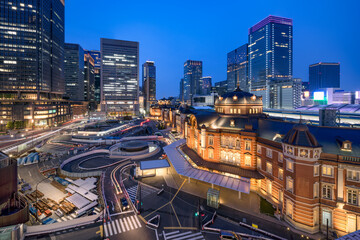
{"points": [[36, 214]]}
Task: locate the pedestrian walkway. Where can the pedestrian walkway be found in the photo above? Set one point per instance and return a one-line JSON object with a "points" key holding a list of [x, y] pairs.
{"points": [[146, 190], [121, 225], [132, 191], [177, 235]]}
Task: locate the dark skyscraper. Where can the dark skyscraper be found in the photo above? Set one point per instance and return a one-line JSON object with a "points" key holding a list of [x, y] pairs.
{"points": [[32, 59], [74, 72], [237, 68], [192, 79], [205, 85], [324, 75], [181, 96], [97, 69], [119, 76], [89, 80], [149, 84], [270, 55]]}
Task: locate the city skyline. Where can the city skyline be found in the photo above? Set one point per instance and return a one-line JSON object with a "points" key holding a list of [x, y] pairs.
{"points": [[317, 37]]}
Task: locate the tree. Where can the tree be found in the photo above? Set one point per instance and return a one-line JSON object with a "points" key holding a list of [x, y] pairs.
{"points": [[10, 125]]}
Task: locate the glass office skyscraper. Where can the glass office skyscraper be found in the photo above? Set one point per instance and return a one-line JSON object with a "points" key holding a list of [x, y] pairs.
{"points": [[32, 61], [119, 76], [192, 79], [324, 75], [74, 72], [149, 84], [97, 70], [237, 68], [89, 81], [206, 84], [270, 56]]}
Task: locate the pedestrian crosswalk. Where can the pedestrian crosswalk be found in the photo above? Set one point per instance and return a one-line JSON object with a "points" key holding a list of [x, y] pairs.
{"points": [[132, 191], [121, 225], [177, 235]]}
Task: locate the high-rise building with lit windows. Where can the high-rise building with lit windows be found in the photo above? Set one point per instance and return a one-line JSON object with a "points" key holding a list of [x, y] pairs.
{"points": [[119, 77], [89, 81], [74, 72], [324, 75], [149, 84], [97, 70], [237, 68], [32, 61], [206, 84], [192, 79], [270, 55]]}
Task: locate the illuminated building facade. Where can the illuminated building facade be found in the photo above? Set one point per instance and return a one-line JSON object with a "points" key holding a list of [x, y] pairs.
{"points": [[119, 77], [149, 84], [192, 79], [32, 62], [237, 68], [89, 81], [74, 72], [270, 55], [311, 174], [324, 75], [205, 87], [97, 78]]}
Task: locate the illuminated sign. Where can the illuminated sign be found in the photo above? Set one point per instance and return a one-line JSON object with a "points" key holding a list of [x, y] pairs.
{"points": [[319, 96], [306, 94]]}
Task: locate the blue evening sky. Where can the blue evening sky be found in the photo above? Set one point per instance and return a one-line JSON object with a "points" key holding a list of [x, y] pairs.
{"points": [[170, 32]]}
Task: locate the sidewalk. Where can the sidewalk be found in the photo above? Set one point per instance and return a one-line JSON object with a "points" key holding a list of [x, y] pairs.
{"points": [[231, 207]]}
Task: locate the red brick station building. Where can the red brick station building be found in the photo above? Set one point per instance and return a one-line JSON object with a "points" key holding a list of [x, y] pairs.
{"points": [[311, 174]]}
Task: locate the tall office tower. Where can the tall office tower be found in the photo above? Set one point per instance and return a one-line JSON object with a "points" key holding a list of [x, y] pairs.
{"points": [[206, 85], [32, 62], [181, 96], [97, 69], [285, 94], [270, 55], [324, 75], [74, 72], [119, 77], [89, 81], [221, 87], [237, 68], [149, 84], [192, 79]]}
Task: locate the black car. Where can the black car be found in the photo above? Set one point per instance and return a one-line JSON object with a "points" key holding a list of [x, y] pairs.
{"points": [[124, 204]]}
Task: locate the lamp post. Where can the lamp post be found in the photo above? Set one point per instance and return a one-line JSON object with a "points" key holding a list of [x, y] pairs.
{"points": [[36, 214]]}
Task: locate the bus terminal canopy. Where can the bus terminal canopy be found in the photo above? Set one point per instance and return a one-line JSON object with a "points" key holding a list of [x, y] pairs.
{"points": [[154, 164], [184, 168]]}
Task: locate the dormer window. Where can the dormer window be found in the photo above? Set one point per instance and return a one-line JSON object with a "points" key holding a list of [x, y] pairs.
{"points": [[253, 97], [232, 123], [346, 146], [220, 98], [235, 98]]}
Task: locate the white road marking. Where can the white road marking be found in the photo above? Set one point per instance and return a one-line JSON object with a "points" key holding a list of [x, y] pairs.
{"points": [[117, 225], [122, 225], [192, 236], [110, 230], [137, 220], [126, 225], [113, 225], [170, 233], [133, 221], [29, 173], [106, 230], [131, 226], [179, 235]]}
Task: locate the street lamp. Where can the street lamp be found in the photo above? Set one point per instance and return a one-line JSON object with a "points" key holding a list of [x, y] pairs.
{"points": [[36, 214]]}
